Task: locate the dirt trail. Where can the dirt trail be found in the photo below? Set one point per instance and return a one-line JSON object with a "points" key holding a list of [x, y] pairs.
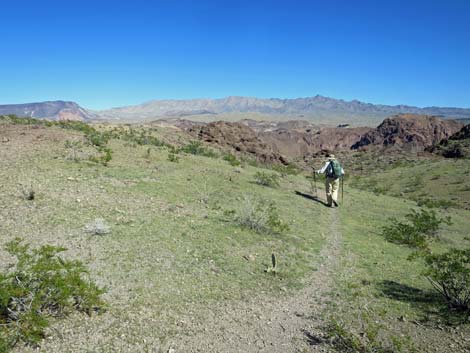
{"points": [[269, 324]]}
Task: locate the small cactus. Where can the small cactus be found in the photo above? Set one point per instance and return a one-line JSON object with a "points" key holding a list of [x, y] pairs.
{"points": [[273, 268]]}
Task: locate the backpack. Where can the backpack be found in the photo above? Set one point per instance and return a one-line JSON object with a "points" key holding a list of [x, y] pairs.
{"points": [[334, 170]]}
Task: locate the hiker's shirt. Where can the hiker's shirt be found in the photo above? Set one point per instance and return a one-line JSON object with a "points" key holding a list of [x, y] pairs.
{"points": [[326, 166]]}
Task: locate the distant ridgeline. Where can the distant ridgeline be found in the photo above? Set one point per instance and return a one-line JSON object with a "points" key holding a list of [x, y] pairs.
{"points": [[314, 109], [57, 110]]}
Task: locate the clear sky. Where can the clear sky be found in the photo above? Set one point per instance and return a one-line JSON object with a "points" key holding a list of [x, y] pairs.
{"points": [[112, 53]]}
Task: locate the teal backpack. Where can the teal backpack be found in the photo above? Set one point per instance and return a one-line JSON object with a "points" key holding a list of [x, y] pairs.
{"points": [[334, 170]]}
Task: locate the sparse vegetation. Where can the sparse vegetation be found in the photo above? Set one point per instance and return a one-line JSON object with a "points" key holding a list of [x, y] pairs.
{"points": [[260, 216], [449, 273], [75, 148], [27, 192], [370, 339], [232, 160], [284, 170], [98, 227], [267, 179], [421, 227], [171, 249], [173, 157], [39, 286], [197, 148]]}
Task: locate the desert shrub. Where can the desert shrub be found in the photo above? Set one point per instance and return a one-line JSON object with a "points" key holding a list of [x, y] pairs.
{"points": [[103, 156], [140, 137], [13, 119], [39, 286], [98, 227], [284, 170], [75, 148], [232, 160], [420, 227], [27, 192], [449, 273], [147, 153], [196, 148], [260, 216], [371, 339], [431, 203], [453, 151], [267, 179], [97, 138], [87, 129], [173, 157]]}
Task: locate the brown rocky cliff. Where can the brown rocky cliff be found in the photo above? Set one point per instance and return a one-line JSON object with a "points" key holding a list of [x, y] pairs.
{"points": [[409, 132], [297, 143], [237, 137]]}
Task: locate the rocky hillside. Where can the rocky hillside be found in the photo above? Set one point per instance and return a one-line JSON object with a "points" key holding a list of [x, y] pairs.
{"points": [[270, 141], [237, 137], [456, 146], [56, 110], [412, 133], [298, 143], [463, 134], [317, 108]]}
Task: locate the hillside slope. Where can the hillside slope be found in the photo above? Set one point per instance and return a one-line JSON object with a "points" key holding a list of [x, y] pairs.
{"points": [[183, 275]]}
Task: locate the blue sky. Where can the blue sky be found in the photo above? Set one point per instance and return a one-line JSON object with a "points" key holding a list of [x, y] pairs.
{"points": [[103, 54]]}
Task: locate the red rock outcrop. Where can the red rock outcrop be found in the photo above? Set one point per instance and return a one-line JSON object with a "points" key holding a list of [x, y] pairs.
{"points": [[411, 133], [237, 137], [297, 143]]}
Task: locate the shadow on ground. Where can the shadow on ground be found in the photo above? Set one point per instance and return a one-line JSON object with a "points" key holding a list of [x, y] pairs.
{"points": [[313, 198], [312, 339], [430, 303]]}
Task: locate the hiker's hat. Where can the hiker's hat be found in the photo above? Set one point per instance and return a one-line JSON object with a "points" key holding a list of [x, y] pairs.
{"points": [[331, 156]]}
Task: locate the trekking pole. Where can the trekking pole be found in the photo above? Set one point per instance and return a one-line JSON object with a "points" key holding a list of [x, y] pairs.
{"points": [[315, 181], [342, 189]]}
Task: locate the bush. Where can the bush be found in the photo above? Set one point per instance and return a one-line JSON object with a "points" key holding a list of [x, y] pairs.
{"points": [[196, 148], [260, 216], [431, 203], [172, 157], [75, 148], [232, 160], [98, 227], [266, 179], [139, 137], [371, 340], [284, 170], [98, 139], [449, 273], [103, 157], [15, 120], [39, 286], [27, 192], [421, 227]]}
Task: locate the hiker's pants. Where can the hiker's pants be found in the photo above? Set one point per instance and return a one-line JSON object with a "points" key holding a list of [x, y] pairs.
{"points": [[332, 187]]}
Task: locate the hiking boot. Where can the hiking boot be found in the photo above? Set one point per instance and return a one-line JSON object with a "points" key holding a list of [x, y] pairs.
{"points": [[335, 203]]}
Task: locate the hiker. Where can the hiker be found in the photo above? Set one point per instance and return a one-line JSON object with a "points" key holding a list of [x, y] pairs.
{"points": [[333, 172]]}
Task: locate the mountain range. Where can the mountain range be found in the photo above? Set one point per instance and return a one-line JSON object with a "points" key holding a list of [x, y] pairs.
{"points": [[55, 110], [318, 109]]}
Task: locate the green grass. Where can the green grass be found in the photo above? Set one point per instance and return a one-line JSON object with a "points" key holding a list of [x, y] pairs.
{"points": [[430, 182], [377, 279]]}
